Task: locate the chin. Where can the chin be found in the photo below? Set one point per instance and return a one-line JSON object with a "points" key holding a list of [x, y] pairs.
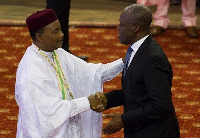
{"points": [[122, 42], [59, 46]]}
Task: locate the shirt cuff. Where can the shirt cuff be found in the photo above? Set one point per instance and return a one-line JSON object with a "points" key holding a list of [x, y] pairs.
{"points": [[82, 104]]}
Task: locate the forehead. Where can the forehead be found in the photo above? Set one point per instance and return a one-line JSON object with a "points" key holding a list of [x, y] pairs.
{"points": [[53, 25], [124, 18]]}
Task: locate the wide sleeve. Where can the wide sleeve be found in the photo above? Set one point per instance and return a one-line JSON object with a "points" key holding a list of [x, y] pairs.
{"points": [[89, 76], [110, 70], [81, 68], [40, 102]]}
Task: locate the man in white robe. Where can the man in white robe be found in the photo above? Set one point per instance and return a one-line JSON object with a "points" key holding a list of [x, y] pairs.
{"points": [[44, 111]]}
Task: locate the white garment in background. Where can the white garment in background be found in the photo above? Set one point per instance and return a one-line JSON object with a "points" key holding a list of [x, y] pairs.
{"points": [[42, 112]]}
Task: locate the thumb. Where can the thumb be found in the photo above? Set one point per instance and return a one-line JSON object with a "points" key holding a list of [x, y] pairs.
{"points": [[97, 95], [108, 115]]}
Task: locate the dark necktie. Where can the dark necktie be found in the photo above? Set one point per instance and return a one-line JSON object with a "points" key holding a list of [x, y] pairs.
{"points": [[127, 58]]}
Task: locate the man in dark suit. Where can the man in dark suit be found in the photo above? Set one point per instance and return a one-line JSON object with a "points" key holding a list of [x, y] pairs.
{"points": [[146, 83], [62, 9]]}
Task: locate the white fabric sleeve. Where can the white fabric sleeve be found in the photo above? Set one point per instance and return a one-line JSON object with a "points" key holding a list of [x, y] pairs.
{"points": [[82, 104], [105, 72], [39, 103], [110, 70]]}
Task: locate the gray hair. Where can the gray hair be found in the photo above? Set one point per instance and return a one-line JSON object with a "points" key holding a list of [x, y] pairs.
{"points": [[139, 14]]}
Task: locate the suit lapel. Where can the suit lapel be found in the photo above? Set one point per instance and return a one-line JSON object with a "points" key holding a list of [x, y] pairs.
{"points": [[136, 58]]}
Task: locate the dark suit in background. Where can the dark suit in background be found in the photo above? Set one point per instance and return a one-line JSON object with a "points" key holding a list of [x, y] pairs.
{"points": [[62, 8], [146, 87]]}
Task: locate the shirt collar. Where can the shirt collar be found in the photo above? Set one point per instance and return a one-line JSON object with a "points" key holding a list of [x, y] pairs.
{"points": [[135, 46], [48, 54]]}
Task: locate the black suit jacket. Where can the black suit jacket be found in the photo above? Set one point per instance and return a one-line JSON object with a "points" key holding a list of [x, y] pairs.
{"points": [[146, 95]]}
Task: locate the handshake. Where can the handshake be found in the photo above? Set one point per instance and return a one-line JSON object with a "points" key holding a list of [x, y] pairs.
{"points": [[98, 102]]}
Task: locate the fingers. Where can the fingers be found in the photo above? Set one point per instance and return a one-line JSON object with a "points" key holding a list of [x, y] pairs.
{"points": [[98, 102], [94, 103], [97, 107], [102, 95], [102, 109], [106, 129], [99, 110], [109, 129], [114, 125], [98, 96], [108, 115]]}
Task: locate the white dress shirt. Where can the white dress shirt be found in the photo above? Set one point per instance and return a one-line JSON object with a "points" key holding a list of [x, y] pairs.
{"points": [[135, 47]]}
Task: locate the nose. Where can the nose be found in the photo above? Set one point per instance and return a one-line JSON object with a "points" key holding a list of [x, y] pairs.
{"points": [[61, 34]]}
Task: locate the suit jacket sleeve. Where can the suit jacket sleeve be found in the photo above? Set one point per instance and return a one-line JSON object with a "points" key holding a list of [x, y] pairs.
{"points": [[114, 98]]}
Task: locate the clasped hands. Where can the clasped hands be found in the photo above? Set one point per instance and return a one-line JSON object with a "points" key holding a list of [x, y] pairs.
{"points": [[98, 102]]}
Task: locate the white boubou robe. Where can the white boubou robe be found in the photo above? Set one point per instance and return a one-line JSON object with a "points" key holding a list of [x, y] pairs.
{"points": [[42, 111]]}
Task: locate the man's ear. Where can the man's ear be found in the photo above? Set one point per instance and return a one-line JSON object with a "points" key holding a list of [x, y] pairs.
{"points": [[136, 28], [39, 37]]}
